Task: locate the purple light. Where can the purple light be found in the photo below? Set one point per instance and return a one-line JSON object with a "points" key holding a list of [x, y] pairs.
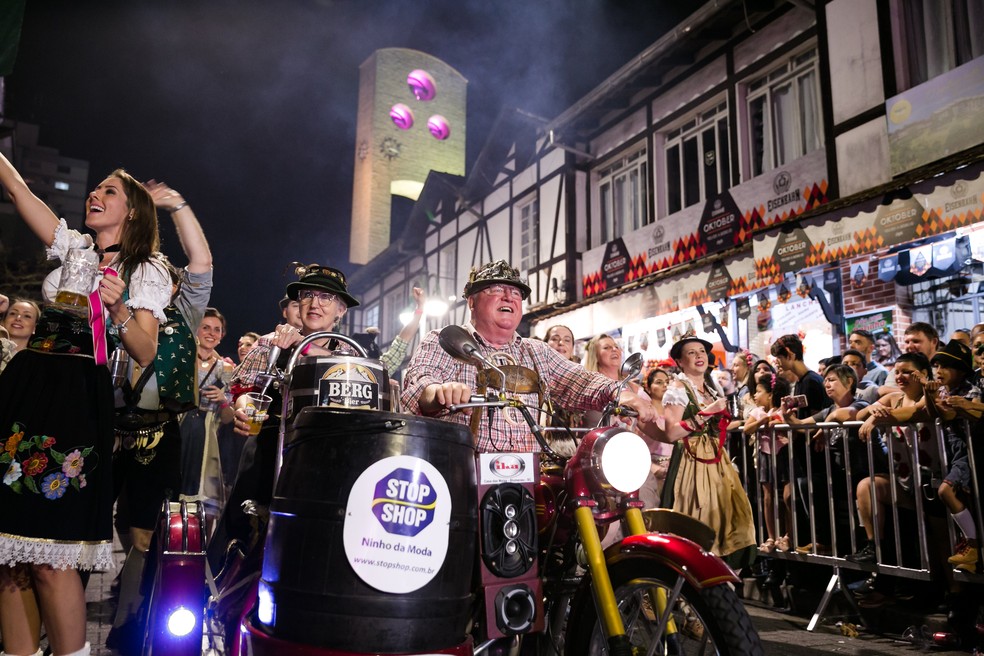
{"points": [[422, 85], [402, 116], [439, 127]]}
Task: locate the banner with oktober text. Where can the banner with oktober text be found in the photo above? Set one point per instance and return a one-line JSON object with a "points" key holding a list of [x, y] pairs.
{"points": [[951, 202], [720, 223]]}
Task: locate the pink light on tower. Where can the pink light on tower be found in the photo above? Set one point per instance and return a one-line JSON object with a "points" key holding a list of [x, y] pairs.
{"points": [[439, 127], [402, 116], [422, 85]]}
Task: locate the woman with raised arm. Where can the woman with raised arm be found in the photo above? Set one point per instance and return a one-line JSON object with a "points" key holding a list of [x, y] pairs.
{"points": [[57, 491]]}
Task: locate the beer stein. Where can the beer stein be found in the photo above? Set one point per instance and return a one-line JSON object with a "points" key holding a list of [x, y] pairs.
{"points": [[79, 269]]}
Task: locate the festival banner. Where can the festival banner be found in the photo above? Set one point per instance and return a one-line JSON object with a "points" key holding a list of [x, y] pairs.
{"points": [[952, 202], [616, 265], [721, 222], [888, 267], [788, 251], [944, 256], [859, 274], [920, 259], [720, 225], [719, 282]]}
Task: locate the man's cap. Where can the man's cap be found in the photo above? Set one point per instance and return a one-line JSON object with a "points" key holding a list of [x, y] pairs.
{"points": [[315, 276], [495, 273]]}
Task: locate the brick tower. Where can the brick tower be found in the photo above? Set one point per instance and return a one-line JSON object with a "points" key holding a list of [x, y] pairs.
{"points": [[411, 121]]}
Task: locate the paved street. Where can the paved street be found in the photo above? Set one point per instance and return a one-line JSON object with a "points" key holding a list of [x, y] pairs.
{"points": [[781, 634], [786, 634]]}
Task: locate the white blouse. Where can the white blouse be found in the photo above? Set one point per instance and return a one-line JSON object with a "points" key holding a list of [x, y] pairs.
{"points": [[150, 283]]}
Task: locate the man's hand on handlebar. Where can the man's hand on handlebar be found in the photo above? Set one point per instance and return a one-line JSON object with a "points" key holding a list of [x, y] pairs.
{"points": [[440, 396], [643, 408]]}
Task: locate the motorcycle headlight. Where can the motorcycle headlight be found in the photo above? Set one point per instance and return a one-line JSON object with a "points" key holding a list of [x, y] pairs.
{"points": [[181, 622], [622, 461]]}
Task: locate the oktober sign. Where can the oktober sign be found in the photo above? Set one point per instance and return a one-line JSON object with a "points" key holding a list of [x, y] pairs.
{"points": [[397, 524]]}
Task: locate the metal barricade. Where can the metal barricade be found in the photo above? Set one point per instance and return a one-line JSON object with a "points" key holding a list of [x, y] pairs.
{"points": [[827, 493]]}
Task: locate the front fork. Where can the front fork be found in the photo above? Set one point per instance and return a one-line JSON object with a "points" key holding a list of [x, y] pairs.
{"points": [[601, 584], [657, 597]]}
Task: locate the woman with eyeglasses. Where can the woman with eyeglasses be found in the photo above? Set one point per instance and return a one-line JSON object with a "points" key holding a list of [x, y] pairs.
{"points": [[886, 349], [324, 299]]}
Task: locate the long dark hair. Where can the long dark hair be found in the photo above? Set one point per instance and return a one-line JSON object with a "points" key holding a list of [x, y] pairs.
{"points": [[775, 385], [139, 237]]}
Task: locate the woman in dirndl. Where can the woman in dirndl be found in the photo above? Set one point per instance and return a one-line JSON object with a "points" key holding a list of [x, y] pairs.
{"points": [[56, 406], [701, 481]]}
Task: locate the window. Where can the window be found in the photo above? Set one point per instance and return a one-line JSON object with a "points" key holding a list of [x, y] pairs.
{"points": [[529, 234], [698, 162], [393, 303], [370, 316], [937, 36], [784, 114], [622, 191]]}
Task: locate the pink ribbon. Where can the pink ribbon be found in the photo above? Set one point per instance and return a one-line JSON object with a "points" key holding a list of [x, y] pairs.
{"points": [[97, 321]]}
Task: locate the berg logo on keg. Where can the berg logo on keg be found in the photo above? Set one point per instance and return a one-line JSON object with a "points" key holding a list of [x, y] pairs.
{"points": [[404, 502], [349, 385]]}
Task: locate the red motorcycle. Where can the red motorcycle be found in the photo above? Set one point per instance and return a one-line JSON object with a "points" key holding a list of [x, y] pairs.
{"points": [[388, 534]]}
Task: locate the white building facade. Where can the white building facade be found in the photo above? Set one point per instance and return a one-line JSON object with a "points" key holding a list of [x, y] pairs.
{"points": [[764, 168]]}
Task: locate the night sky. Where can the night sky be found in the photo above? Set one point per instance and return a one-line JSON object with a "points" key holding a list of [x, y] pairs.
{"points": [[248, 107]]}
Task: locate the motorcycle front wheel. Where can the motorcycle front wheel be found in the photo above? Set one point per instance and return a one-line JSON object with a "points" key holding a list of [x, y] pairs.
{"points": [[708, 621]]}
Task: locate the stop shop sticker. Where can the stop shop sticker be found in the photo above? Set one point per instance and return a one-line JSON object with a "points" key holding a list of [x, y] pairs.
{"points": [[397, 523]]}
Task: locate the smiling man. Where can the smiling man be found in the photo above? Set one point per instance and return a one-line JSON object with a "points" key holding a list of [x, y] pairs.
{"points": [[864, 341], [434, 380]]}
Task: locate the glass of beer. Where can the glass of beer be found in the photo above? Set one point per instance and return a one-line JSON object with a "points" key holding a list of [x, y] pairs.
{"points": [[79, 269], [257, 406]]}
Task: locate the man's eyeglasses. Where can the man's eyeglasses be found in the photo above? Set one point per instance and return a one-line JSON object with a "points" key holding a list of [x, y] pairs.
{"points": [[504, 290], [324, 298]]}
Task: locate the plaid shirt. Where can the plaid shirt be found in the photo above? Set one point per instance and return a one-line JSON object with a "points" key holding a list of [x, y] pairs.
{"points": [[568, 384], [256, 362]]}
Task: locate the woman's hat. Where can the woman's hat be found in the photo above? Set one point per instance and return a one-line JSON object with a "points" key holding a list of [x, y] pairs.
{"points": [[315, 276], [676, 351], [495, 273], [955, 355]]}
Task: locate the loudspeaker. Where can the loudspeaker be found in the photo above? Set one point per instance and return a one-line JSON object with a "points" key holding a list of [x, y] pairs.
{"points": [[508, 521], [508, 544]]}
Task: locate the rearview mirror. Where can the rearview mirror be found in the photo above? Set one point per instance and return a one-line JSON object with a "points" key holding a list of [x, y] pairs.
{"points": [[457, 343]]}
